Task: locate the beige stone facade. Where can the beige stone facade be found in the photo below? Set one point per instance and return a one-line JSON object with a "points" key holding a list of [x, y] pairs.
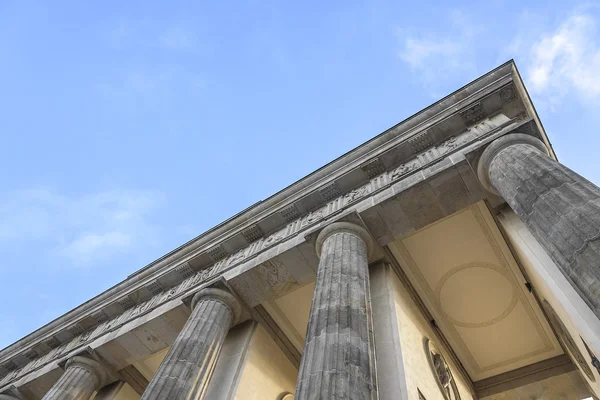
{"points": [[450, 257]]}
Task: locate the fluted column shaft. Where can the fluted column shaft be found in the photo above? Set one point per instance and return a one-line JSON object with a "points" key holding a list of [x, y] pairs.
{"points": [[338, 358], [560, 207], [188, 366], [4, 396], [82, 377]]}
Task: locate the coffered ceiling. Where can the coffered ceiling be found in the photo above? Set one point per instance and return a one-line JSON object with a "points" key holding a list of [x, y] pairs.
{"points": [[468, 279]]}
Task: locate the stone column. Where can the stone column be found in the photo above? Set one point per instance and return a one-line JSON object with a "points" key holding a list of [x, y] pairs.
{"points": [[82, 377], [6, 396], [558, 206], [338, 361], [188, 366]]}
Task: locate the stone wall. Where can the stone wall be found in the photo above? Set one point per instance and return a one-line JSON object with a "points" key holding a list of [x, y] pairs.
{"points": [[579, 323], [413, 328], [267, 373]]}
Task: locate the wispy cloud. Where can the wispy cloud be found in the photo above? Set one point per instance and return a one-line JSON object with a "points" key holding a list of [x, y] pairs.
{"points": [[557, 59], [147, 35], [156, 61], [566, 60], [436, 56], [88, 244], [78, 228], [178, 38]]}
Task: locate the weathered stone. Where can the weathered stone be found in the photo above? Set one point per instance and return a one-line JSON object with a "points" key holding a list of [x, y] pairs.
{"points": [[186, 370], [391, 376], [338, 361], [82, 377], [11, 394], [560, 207]]}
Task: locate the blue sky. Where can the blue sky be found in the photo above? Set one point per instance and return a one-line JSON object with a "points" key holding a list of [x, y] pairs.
{"points": [[128, 128]]}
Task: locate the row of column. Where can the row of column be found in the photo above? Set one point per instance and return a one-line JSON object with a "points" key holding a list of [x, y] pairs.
{"points": [[561, 208]]}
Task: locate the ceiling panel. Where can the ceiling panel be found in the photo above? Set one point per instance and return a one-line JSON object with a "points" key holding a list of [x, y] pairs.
{"points": [[467, 277]]}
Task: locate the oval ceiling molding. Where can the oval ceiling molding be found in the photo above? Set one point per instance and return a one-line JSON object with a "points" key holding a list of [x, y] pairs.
{"points": [[475, 295]]}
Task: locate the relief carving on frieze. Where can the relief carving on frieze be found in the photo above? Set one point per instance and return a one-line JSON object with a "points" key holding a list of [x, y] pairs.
{"points": [[404, 169], [356, 194], [111, 324], [314, 216], [274, 238]]}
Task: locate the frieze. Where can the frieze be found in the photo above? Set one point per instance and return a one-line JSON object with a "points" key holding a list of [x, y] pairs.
{"points": [[127, 316], [314, 216], [404, 169], [356, 194], [133, 311]]}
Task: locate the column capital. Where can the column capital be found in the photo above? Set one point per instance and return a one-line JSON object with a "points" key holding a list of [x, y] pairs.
{"points": [[93, 366], [187, 369], [339, 227], [224, 297], [490, 152]]}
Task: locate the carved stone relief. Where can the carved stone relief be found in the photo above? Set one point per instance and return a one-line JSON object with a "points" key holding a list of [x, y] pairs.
{"points": [[404, 169], [356, 194], [314, 216], [508, 94], [275, 274], [441, 371]]}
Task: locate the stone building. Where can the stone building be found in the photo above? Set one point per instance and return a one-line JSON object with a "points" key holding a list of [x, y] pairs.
{"points": [[450, 257]]}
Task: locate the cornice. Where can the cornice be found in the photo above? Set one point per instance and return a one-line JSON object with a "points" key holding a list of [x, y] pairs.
{"points": [[215, 250]]}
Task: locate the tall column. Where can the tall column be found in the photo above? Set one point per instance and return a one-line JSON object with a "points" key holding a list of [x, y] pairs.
{"points": [[560, 207], [6, 396], [338, 361], [188, 366], [82, 377]]}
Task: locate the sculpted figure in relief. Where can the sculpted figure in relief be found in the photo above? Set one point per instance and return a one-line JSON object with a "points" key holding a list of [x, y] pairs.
{"points": [[357, 194], [403, 170], [443, 373]]}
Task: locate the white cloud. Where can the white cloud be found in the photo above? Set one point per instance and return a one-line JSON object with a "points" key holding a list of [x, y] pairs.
{"points": [[557, 60], [79, 228], [177, 38], [566, 60], [88, 244], [436, 56], [147, 35], [154, 63], [418, 53]]}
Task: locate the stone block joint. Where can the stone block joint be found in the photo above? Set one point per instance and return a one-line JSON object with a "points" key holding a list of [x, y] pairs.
{"points": [[558, 206]]}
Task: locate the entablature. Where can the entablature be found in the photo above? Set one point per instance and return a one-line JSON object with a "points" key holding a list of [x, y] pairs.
{"points": [[413, 151]]}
